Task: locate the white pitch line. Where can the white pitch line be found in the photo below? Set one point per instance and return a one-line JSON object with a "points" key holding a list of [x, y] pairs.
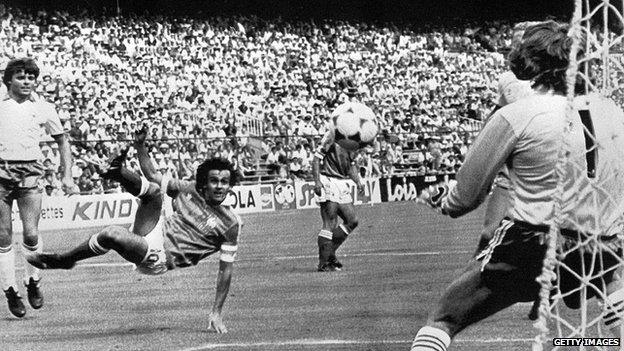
{"points": [[312, 342], [285, 258]]}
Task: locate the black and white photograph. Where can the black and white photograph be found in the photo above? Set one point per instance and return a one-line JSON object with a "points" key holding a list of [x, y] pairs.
{"points": [[311, 175]]}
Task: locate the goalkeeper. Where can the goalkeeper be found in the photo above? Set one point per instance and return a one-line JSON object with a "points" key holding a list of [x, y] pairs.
{"points": [[525, 136]]}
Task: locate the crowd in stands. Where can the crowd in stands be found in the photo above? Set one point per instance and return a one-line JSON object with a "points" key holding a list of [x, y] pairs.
{"points": [[258, 92]]}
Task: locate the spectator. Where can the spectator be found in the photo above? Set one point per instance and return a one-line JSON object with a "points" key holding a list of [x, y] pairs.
{"points": [[114, 74]]}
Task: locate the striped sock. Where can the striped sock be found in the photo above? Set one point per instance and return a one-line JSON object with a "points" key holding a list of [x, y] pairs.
{"points": [[431, 339]]}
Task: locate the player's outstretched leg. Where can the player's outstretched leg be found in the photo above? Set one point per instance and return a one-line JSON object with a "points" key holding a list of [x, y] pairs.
{"points": [[130, 246], [466, 301]]}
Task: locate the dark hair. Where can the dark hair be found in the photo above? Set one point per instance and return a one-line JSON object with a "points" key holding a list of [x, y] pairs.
{"points": [[24, 64], [220, 164], [543, 55]]}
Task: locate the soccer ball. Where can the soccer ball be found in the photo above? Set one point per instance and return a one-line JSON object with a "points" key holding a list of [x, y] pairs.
{"points": [[355, 125]]}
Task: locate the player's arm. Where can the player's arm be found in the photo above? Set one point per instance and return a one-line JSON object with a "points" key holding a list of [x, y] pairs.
{"points": [[316, 173], [224, 278], [319, 154], [354, 174], [485, 158], [147, 166], [69, 187], [53, 126]]}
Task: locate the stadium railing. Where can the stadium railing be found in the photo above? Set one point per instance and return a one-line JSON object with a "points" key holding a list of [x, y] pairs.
{"points": [[250, 153]]}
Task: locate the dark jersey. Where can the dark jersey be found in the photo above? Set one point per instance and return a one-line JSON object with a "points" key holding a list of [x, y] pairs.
{"points": [[196, 230], [336, 161]]}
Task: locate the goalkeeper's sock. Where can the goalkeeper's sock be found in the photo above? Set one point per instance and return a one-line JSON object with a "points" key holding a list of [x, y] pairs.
{"points": [[325, 246], [7, 268], [431, 339]]}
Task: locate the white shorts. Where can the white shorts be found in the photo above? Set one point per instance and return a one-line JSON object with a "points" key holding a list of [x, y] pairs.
{"points": [[335, 190], [155, 260]]}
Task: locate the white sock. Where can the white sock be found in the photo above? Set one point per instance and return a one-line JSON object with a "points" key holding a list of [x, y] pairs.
{"points": [[431, 339], [31, 271], [7, 268]]}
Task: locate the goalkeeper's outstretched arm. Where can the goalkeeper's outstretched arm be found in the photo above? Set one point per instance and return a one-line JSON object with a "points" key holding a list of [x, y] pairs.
{"points": [[484, 160]]}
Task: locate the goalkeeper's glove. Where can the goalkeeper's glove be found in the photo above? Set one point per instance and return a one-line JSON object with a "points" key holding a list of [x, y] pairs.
{"points": [[435, 195]]}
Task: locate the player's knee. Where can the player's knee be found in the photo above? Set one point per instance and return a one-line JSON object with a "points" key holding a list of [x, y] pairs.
{"points": [[31, 238], [111, 237]]}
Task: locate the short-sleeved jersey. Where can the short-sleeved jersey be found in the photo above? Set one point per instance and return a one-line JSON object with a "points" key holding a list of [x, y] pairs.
{"points": [[527, 136], [196, 230], [21, 128], [336, 161]]}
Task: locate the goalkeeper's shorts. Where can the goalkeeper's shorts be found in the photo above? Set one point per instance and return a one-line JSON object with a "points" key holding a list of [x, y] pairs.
{"points": [[155, 260], [513, 259], [515, 254], [598, 259]]}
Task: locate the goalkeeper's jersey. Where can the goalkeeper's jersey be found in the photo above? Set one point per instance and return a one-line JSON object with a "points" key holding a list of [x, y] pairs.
{"points": [[336, 161], [196, 230], [526, 136]]}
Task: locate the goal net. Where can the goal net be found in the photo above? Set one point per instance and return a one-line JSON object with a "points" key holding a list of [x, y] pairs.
{"points": [[584, 260]]}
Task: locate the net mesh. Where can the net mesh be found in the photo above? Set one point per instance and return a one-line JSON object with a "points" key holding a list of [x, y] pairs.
{"points": [[584, 244]]}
